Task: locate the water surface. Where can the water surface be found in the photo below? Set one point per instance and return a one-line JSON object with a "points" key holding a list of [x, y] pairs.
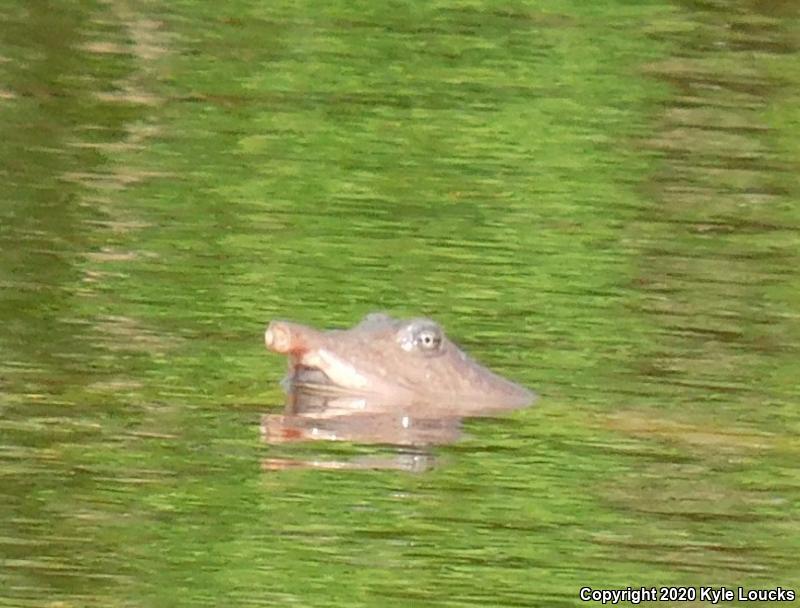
{"points": [[598, 202]]}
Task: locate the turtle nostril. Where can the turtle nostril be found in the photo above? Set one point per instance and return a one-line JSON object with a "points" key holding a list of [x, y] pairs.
{"points": [[277, 337]]}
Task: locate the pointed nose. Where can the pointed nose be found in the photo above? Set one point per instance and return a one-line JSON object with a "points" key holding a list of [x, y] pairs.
{"points": [[285, 337], [278, 337]]}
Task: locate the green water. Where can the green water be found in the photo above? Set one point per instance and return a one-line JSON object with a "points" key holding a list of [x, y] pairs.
{"points": [[598, 200]]}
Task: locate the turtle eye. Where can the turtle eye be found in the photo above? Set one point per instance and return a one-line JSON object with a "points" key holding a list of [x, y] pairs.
{"points": [[422, 336], [429, 339]]}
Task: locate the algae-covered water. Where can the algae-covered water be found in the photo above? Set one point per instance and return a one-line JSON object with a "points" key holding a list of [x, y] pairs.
{"points": [[598, 200]]}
